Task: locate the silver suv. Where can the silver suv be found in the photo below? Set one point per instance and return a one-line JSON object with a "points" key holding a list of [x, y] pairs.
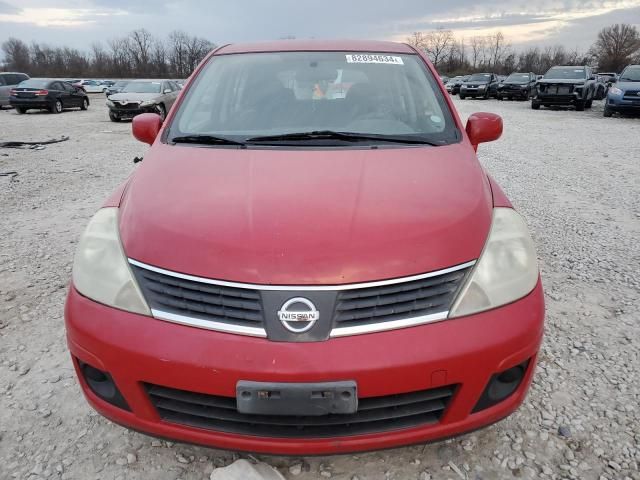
{"points": [[9, 80]]}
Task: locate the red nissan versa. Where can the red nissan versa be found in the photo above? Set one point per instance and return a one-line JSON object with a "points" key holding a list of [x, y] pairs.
{"points": [[310, 260]]}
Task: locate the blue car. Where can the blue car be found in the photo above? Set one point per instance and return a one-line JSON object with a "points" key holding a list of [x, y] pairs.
{"points": [[624, 95]]}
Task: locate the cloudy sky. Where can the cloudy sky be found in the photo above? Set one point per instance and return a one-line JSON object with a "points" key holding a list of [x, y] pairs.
{"points": [[572, 23]]}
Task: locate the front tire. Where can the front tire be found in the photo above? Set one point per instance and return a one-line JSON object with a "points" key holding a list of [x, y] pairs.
{"points": [[21, 110], [535, 105], [588, 103], [462, 97], [113, 117], [85, 104], [580, 106], [56, 107], [608, 113]]}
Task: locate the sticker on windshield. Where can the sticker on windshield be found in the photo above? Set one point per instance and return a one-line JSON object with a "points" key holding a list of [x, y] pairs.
{"points": [[364, 58]]}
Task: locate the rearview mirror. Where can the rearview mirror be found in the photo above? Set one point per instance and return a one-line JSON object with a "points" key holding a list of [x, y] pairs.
{"points": [[146, 127], [483, 127]]}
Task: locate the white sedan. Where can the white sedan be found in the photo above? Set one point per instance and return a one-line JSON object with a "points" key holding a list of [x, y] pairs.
{"points": [[92, 86]]}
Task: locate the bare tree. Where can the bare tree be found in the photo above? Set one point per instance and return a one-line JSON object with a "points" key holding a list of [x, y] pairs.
{"points": [[478, 47], [497, 47], [616, 46], [139, 45], [16, 55]]}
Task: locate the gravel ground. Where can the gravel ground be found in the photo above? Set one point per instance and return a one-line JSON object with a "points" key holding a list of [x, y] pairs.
{"points": [[574, 176]]}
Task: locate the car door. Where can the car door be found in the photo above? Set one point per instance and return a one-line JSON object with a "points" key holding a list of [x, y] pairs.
{"points": [[493, 85], [70, 92], [56, 92]]}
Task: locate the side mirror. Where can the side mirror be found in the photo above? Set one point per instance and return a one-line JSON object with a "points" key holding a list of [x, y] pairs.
{"points": [[613, 80], [592, 77], [146, 127], [483, 127], [167, 90]]}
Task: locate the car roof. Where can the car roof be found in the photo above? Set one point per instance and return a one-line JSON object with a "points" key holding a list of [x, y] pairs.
{"points": [[316, 45]]}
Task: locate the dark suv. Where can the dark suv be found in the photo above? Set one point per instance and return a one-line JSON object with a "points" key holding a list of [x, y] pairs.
{"points": [[566, 86], [482, 85], [517, 85]]}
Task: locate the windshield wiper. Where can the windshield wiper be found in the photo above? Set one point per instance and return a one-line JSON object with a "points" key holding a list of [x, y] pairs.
{"points": [[344, 136], [205, 140], [624, 79]]}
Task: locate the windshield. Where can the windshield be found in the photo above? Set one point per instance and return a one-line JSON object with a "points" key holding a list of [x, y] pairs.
{"points": [[480, 77], [568, 73], [264, 94], [142, 87], [630, 74], [33, 83], [518, 78], [119, 83]]}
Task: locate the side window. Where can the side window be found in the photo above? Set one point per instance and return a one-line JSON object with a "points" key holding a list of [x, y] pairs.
{"points": [[67, 87]]}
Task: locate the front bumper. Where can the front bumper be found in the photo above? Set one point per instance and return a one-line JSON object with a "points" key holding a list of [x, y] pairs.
{"points": [[466, 352], [473, 92], [557, 99], [618, 103], [515, 93], [125, 113]]}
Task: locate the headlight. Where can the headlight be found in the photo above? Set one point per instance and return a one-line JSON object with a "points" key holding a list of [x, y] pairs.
{"points": [[615, 91], [147, 103], [481, 87], [100, 268], [507, 269], [110, 103]]}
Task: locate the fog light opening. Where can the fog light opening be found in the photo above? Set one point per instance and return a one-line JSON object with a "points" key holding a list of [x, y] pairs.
{"points": [[102, 385], [501, 386]]}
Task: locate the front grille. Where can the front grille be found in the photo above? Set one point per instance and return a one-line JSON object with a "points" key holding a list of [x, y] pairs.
{"points": [[253, 309], [632, 95], [557, 89], [127, 106], [398, 301], [230, 305], [375, 414]]}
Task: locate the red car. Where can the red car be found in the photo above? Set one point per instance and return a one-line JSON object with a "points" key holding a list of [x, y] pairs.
{"points": [[299, 274]]}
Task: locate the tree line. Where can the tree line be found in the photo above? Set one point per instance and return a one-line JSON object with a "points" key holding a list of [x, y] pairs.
{"points": [[138, 54], [615, 47]]}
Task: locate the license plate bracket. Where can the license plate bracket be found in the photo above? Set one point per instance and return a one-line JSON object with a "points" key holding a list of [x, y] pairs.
{"points": [[297, 399]]}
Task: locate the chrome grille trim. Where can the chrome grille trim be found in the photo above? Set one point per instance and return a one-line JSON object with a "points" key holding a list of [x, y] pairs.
{"points": [[336, 332], [301, 288]]}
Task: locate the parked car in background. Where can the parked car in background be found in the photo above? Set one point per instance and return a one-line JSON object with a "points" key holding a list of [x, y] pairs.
{"points": [[91, 86], [453, 85], [9, 80], [482, 85], [624, 94], [566, 85], [444, 79], [116, 87], [142, 96], [517, 85], [221, 298], [603, 82], [107, 83], [47, 94]]}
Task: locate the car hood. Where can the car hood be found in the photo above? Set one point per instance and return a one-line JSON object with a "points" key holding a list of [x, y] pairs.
{"points": [[274, 216], [563, 81], [134, 97], [479, 82]]}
